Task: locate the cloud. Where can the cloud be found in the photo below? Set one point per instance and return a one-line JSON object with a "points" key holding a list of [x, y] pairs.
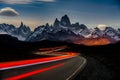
{"points": [[24, 1], [8, 11], [46, 0], [16, 1], [102, 26]]}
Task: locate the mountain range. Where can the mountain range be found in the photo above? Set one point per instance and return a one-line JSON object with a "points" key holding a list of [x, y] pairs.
{"points": [[63, 30]]}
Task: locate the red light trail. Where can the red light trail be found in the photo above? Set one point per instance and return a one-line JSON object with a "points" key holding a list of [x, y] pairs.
{"points": [[18, 77], [16, 64]]}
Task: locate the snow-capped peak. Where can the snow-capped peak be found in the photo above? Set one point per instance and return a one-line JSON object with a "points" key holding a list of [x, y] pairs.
{"points": [[62, 30]]}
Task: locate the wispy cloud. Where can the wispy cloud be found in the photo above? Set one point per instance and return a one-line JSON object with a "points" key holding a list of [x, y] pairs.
{"points": [[8, 11], [16, 1], [46, 0], [24, 1]]}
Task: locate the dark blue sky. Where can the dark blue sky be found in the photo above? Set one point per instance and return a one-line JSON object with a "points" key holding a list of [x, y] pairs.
{"points": [[38, 12]]}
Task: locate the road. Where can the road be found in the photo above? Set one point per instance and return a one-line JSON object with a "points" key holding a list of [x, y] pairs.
{"points": [[64, 67]]}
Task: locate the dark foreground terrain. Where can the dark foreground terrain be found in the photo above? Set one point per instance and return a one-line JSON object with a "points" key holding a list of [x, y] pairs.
{"points": [[103, 62]]}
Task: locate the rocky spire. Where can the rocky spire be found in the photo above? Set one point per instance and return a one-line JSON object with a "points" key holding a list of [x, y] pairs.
{"points": [[56, 23], [65, 21], [21, 25]]}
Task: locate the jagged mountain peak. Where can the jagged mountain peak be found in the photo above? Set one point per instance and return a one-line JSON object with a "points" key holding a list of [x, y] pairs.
{"points": [[21, 24], [56, 23], [83, 26], [77, 23], [65, 21], [24, 27], [64, 27], [110, 29], [61, 30], [21, 33], [97, 29], [7, 24], [47, 25], [56, 20]]}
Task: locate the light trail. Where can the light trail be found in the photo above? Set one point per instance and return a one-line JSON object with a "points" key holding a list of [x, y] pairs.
{"points": [[21, 76], [53, 48], [23, 63]]}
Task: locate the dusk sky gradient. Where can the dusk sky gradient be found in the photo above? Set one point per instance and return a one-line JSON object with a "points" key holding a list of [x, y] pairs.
{"points": [[38, 12]]}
